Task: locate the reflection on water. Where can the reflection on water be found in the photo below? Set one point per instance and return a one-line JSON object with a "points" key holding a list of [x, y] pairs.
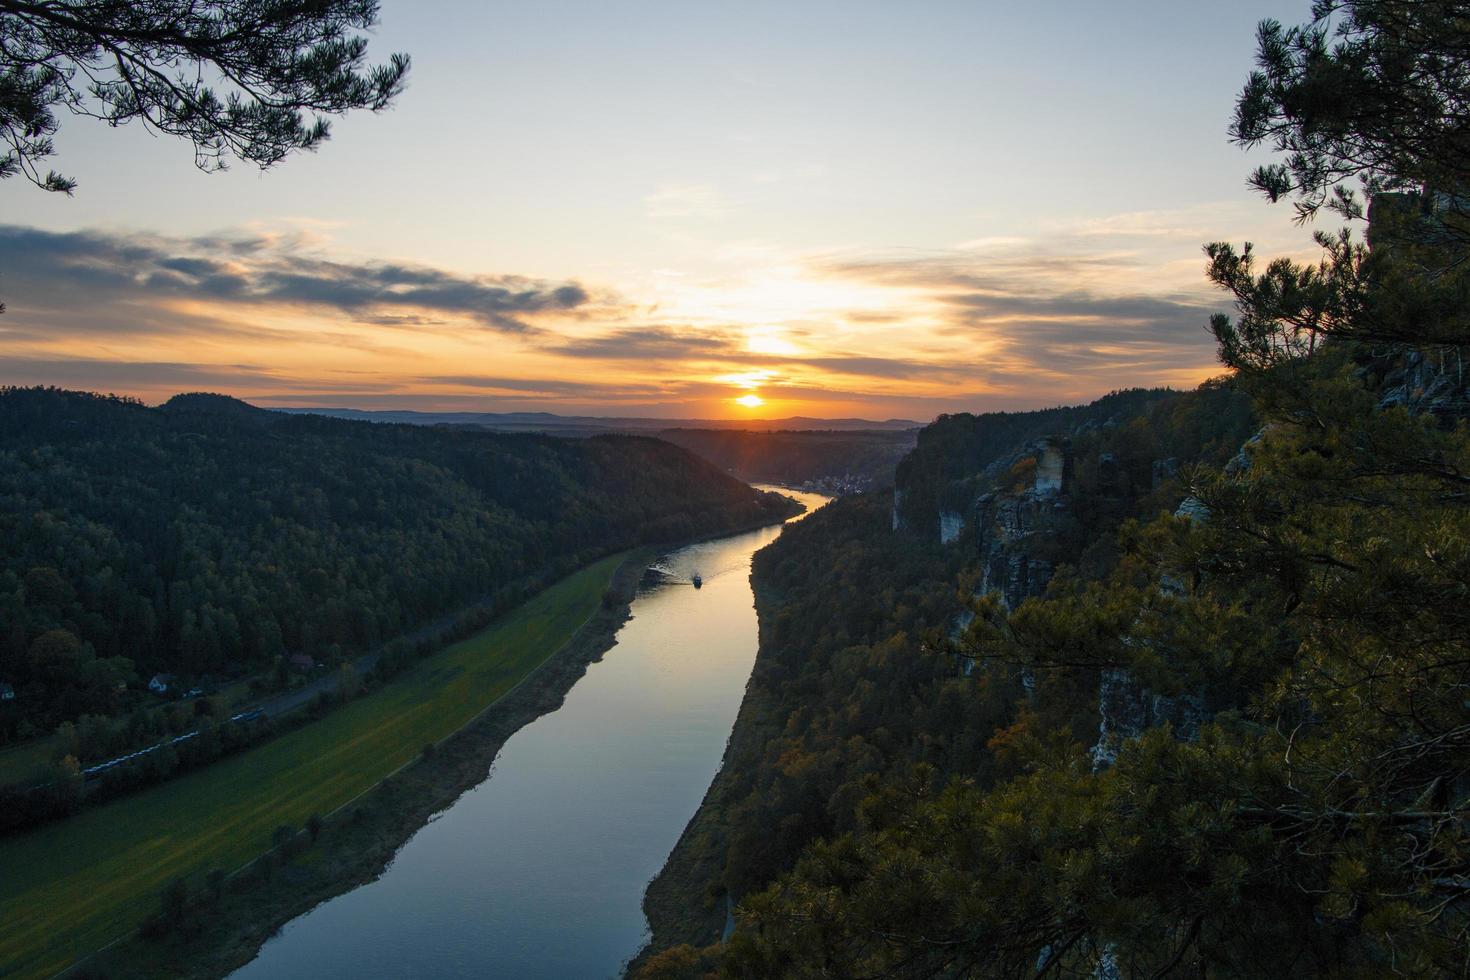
{"points": [[540, 870]]}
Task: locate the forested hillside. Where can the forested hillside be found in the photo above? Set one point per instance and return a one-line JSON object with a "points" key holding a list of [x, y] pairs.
{"points": [[207, 536], [858, 690], [1219, 658], [959, 453]]}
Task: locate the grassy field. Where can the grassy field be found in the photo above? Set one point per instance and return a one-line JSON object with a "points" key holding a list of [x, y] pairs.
{"points": [[73, 887], [27, 763]]}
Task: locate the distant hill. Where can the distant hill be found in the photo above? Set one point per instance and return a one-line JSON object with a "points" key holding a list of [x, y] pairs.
{"points": [[956, 448], [838, 461], [552, 424], [834, 455]]}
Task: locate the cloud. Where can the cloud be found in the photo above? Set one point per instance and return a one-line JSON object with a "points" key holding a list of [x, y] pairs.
{"points": [[1055, 314], [986, 242], [726, 347], [1193, 224], [44, 268], [549, 387], [1069, 323], [401, 320], [1000, 323], [650, 343], [108, 374], [896, 369], [686, 201], [1018, 270]]}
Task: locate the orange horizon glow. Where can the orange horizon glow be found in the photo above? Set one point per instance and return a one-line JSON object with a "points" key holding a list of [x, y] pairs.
{"points": [[815, 337]]}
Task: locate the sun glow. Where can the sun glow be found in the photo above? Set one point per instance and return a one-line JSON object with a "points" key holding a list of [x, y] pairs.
{"points": [[748, 380], [768, 340], [750, 401]]}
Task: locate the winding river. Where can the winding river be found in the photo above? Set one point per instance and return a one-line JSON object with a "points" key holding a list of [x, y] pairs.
{"points": [[540, 870]]}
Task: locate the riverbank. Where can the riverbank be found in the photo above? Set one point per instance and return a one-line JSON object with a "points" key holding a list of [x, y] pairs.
{"points": [[226, 922], [223, 928], [73, 887], [554, 852], [685, 902]]}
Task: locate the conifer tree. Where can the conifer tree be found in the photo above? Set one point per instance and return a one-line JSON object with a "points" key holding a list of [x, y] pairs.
{"points": [[236, 78]]}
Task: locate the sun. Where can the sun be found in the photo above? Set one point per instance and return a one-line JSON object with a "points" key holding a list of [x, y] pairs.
{"points": [[750, 401]]}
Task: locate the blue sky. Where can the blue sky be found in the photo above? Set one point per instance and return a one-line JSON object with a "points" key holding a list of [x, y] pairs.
{"points": [[845, 208]]}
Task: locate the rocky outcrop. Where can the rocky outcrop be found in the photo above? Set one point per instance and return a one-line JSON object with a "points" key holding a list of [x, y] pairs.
{"points": [[1051, 467], [1015, 528], [1428, 382], [1424, 381], [1009, 522], [957, 452], [1164, 470], [1126, 708], [1022, 508]]}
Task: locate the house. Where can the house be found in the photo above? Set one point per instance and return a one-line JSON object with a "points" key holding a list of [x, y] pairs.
{"points": [[301, 661], [7, 693], [160, 683]]}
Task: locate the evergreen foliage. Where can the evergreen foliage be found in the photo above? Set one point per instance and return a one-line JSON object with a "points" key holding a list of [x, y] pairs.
{"points": [[236, 78]]}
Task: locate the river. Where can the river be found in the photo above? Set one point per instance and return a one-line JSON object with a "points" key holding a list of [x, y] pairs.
{"points": [[540, 870]]}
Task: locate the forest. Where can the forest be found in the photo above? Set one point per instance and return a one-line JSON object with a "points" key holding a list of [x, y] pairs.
{"points": [[1204, 709], [207, 538], [958, 453], [861, 692]]}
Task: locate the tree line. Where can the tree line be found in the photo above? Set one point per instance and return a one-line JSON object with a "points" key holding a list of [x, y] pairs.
{"points": [[206, 537]]}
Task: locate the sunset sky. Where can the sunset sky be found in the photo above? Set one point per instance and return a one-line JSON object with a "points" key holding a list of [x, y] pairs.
{"points": [[828, 209]]}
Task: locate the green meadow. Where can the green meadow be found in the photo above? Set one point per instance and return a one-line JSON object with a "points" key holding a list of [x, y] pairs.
{"points": [[72, 887], [28, 762]]}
